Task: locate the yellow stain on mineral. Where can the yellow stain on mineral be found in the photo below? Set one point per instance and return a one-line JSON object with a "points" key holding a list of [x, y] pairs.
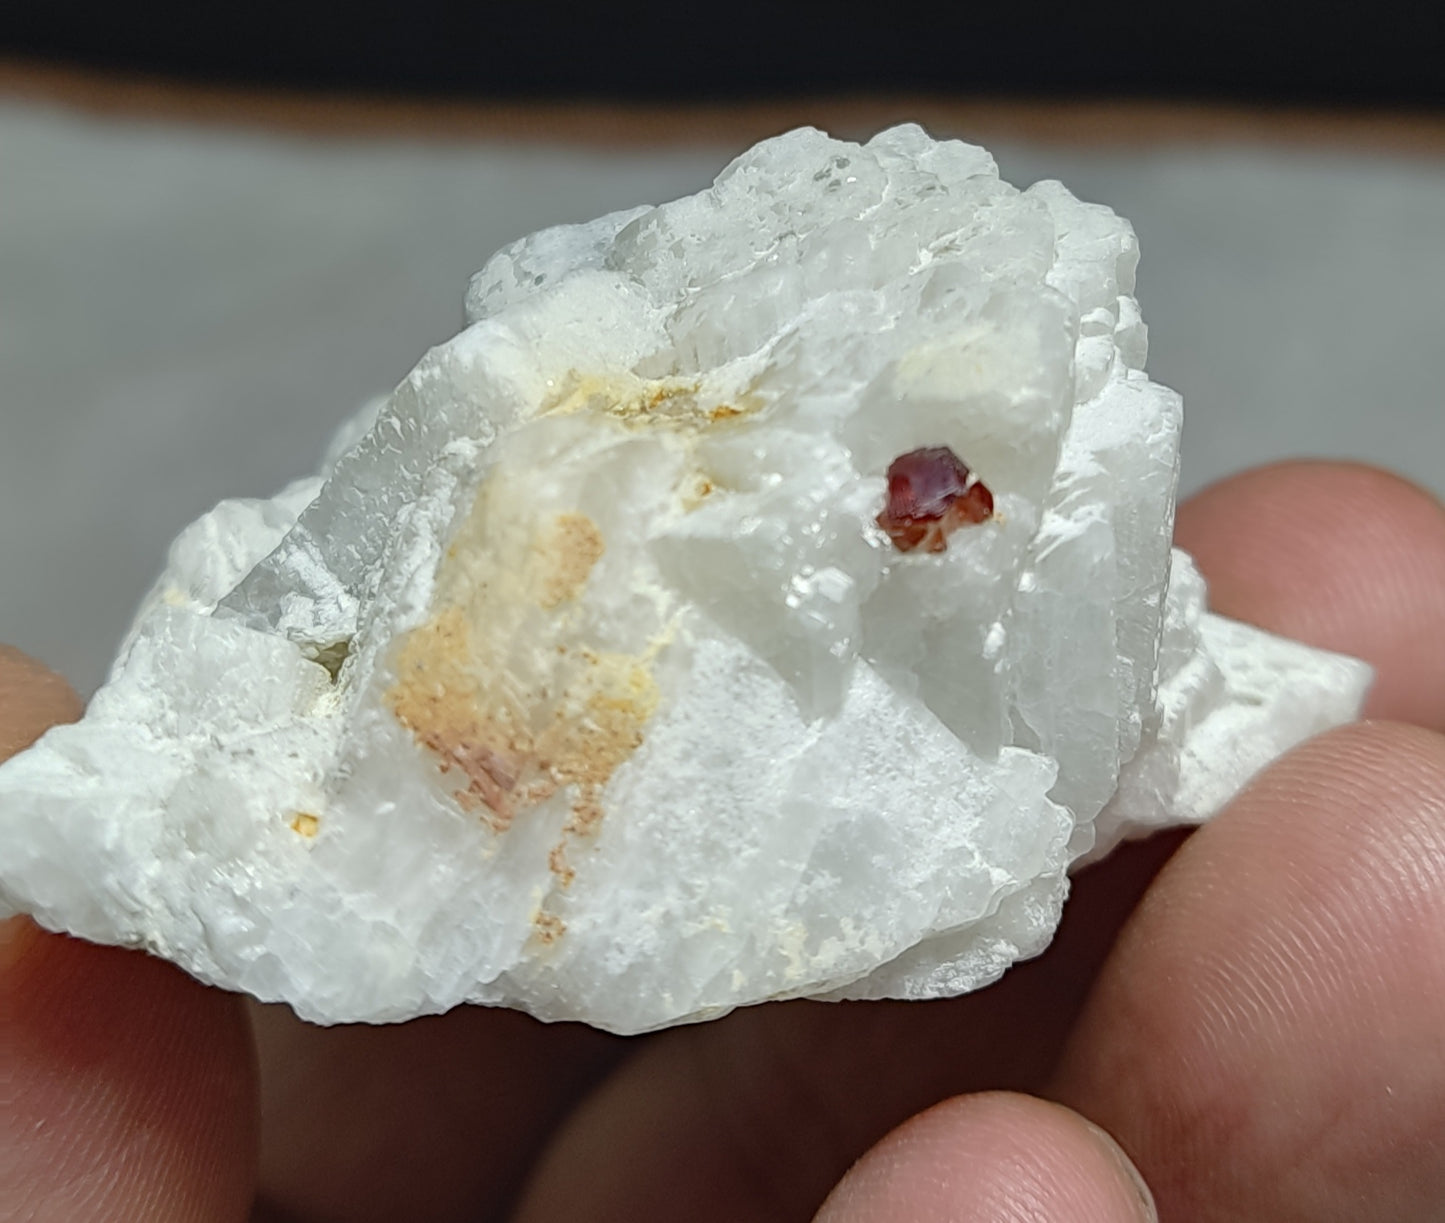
{"points": [[305, 824]]}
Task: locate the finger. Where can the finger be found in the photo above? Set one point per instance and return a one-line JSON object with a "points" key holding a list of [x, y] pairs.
{"points": [[437, 1119], [1265, 1041], [992, 1158], [1337, 555], [733, 1106], [32, 700], [129, 1091]]}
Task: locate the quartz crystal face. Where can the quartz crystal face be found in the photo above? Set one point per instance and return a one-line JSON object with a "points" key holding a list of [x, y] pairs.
{"points": [[767, 594]]}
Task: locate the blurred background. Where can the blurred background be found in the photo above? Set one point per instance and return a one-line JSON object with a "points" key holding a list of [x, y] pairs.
{"points": [[223, 228]]}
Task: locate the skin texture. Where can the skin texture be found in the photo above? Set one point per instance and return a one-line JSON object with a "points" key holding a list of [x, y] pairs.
{"points": [[991, 1158], [1259, 1032], [1295, 1070]]}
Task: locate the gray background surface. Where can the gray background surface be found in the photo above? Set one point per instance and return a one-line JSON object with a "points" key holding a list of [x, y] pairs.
{"points": [[186, 312]]}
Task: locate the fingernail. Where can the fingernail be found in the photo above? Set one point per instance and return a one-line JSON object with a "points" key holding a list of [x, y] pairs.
{"points": [[1150, 1212]]}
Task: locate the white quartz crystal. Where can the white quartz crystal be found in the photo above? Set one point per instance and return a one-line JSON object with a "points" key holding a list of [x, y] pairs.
{"points": [[583, 680]]}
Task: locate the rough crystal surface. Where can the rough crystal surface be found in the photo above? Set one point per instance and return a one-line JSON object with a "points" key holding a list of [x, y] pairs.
{"points": [[583, 679]]}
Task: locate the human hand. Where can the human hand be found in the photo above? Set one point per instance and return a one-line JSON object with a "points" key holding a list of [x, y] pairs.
{"points": [[1261, 1035]]}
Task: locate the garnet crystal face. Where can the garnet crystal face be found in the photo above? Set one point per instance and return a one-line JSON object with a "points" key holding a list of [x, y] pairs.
{"points": [[931, 493]]}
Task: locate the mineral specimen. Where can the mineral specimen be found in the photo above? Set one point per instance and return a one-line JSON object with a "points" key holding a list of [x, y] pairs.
{"points": [[601, 672], [930, 494]]}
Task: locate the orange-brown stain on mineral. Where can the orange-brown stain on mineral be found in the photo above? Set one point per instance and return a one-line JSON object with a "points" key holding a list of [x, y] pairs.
{"points": [[558, 865], [574, 545], [547, 928], [518, 733], [440, 698]]}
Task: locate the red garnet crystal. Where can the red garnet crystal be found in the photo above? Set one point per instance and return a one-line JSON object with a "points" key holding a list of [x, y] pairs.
{"points": [[930, 495]]}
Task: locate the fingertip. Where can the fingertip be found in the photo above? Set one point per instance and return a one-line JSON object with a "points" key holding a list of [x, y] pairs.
{"points": [[130, 1088], [32, 699], [1338, 555], [1265, 1036], [995, 1157]]}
